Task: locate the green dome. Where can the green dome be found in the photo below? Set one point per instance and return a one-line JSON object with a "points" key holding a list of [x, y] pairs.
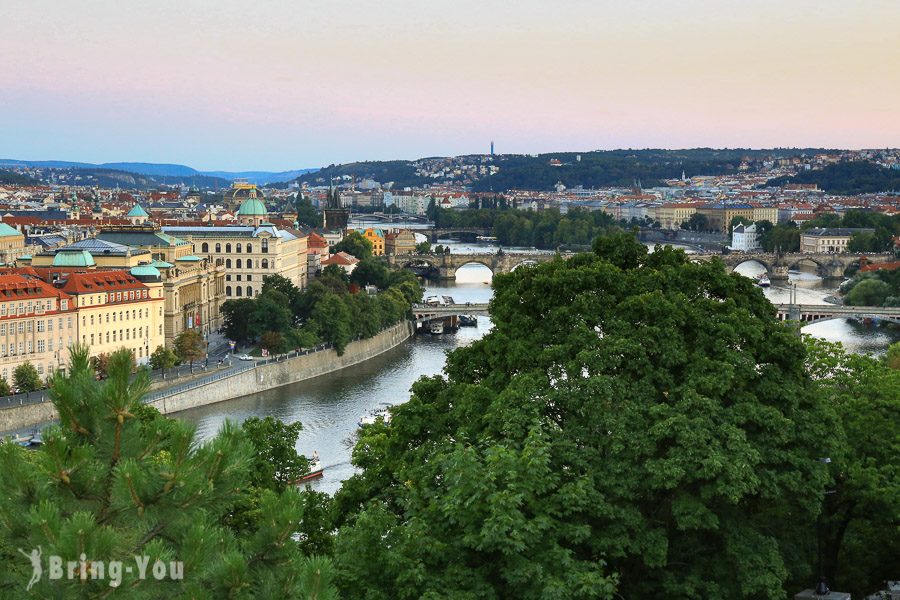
{"points": [[7, 231], [252, 207], [189, 258], [137, 211], [73, 258], [144, 271], [161, 264]]}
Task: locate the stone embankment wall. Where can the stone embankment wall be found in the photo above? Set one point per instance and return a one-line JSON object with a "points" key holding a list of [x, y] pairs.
{"points": [[242, 383]]}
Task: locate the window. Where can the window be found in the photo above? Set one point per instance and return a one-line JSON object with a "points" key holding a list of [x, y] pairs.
{"points": [[114, 336], [107, 337], [30, 326], [238, 277], [30, 346], [265, 245], [249, 248], [238, 263], [228, 278], [92, 319], [50, 344], [228, 248], [249, 277], [49, 324], [41, 346], [107, 317], [40, 325], [249, 263], [92, 339], [265, 263], [228, 290], [218, 248], [227, 263], [249, 291], [238, 249], [204, 248], [3, 329], [238, 291], [21, 327]]}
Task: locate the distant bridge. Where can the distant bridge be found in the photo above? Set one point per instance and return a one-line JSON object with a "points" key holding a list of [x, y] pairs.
{"points": [[812, 313], [828, 266], [438, 233], [445, 265], [424, 312]]}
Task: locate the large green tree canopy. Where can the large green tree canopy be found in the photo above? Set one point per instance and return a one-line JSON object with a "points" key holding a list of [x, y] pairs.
{"points": [[635, 425]]}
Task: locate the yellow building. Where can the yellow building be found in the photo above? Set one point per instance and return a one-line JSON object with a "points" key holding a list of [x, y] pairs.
{"points": [[402, 241], [719, 216], [115, 310], [37, 325], [376, 236], [765, 213], [671, 216]]}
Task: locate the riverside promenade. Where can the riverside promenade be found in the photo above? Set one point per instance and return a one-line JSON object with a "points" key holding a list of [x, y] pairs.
{"points": [[240, 379]]}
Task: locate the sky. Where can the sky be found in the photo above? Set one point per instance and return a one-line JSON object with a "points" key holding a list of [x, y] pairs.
{"points": [[284, 84]]}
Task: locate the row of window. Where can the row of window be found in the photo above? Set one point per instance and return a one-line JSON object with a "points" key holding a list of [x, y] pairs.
{"points": [[28, 347], [238, 291], [134, 314], [126, 334], [238, 277], [29, 307], [263, 264], [129, 295], [29, 327], [264, 247]]}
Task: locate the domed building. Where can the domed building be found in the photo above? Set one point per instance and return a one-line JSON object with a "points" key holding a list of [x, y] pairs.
{"points": [[137, 215], [252, 212]]}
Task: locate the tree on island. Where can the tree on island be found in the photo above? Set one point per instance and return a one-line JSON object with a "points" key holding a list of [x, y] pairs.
{"points": [[115, 480], [190, 346], [635, 425], [356, 244], [26, 378]]}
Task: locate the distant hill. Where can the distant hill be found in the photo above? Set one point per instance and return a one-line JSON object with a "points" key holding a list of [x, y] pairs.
{"points": [[859, 177], [10, 177], [167, 173], [593, 169]]}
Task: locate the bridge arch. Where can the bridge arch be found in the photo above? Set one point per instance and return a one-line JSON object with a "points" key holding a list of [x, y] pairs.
{"points": [[523, 263], [457, 265], [752, 259]]}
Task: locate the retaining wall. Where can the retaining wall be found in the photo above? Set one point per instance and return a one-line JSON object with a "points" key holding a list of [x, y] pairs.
{"points": [[243, 383]]}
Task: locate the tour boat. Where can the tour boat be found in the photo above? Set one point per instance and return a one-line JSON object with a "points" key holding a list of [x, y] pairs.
{"points": [[316, 469], [762, 280], [437, 328], [468, 321], [372, 417]]}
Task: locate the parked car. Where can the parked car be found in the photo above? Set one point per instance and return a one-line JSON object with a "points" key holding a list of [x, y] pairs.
{"points": [[245, 357]]}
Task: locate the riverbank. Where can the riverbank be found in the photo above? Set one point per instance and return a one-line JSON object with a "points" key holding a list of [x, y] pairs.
{"points": [[254, 379]]}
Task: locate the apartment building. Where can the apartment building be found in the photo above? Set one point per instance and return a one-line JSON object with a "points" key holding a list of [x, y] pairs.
{"points": [[823, 240], [37, 325]]}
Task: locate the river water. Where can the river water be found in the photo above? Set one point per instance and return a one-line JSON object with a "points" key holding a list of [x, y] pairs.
{"points": [[330, 406]]}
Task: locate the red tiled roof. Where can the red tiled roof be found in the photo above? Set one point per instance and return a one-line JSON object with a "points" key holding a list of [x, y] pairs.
{"points": [[100, 281], [14, 287]]}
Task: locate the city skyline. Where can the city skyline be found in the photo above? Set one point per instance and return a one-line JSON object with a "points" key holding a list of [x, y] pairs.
{"points": [[277, 85]]}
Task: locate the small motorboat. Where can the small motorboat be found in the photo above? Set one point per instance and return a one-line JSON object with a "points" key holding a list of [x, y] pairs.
{"points": [[762, 280], [316, 469], [436, 328], [372, 417]]}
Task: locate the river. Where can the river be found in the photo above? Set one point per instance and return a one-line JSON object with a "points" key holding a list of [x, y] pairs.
{"points": [[330, 406]]}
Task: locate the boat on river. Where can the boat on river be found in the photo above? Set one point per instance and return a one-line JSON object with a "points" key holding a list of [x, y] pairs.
{"points": [[762, 280], [468, 321], [437, 327], [316, 470]]}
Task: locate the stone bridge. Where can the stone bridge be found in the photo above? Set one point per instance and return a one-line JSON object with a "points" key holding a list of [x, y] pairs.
{"points": [[811, 313], [446, 264], [828, 266]]}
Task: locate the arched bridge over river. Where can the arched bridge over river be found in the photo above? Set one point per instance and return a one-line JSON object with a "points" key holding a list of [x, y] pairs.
{"points": [[445, 265]]}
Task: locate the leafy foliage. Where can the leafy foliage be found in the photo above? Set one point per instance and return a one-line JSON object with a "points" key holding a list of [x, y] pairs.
{"points": [[859, 177], [307, 215], [26, 378], [114, 480], [4, 387], [356, 244], [634, 425], [163, 358], [190, 346]]}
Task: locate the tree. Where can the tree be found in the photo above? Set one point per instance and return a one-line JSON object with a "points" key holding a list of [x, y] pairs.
{"points": [[859, 524], [892, 358], [235, 319], [273, 342], [4, 387], [163, 358], [423, 247], [276, 463], [618, 433], [697, 222], [114, 480], [356, 244], [190, 346], [307, 215], [868, 292], [26, 378], [371, 271]]}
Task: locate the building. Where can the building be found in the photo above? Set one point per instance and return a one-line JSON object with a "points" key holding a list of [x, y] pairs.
{"points": [[376, 237], [248, 254], [744, 238], [37, 325], [822, 240], [671, 216], [115, 310], [346, 261], [12, 244], [719, 216], [402, 241]]}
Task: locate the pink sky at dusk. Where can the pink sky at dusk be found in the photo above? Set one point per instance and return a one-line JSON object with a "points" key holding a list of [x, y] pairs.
{"points": [[291, 84]]}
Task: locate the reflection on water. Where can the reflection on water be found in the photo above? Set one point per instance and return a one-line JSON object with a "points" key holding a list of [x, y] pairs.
{"points": [[330, 406]]}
